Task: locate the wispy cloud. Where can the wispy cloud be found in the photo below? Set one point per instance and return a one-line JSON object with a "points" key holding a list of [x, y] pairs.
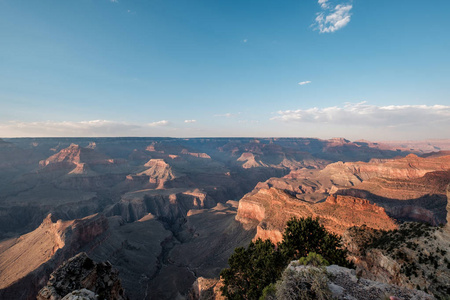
{"points": [[245, 40], [228, 115], [159, 123], [114, 1], [190, 121], [323, 3], [332, 18], [363, 114], [67, 128], [304, 82], [93, 128]]}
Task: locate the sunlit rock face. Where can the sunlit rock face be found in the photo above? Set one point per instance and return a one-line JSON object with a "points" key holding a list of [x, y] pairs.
{"points": [[269, 209], [27, 261]]}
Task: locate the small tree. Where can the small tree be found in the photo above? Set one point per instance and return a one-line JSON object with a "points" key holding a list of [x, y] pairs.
{"points": [[262, 263], [306, 235], [251, 270]]}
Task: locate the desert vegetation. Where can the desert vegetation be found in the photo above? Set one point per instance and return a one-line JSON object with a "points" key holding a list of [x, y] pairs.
{"points": [[253, 270], [417, 250]]}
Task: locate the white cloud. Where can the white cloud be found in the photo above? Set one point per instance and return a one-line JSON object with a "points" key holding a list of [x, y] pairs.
{"points": [[323, 3], [190, 121], [332, 18], [228, 115], [67, 128], [93, 128], [363, 114], [304, 82], [159, 123], [114, 1], [245, 40]]}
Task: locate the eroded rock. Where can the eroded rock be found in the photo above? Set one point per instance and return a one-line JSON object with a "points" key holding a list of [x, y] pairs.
{"points": [[81, 272]]}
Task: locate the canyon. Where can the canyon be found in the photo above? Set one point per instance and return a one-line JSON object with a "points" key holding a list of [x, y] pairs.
{"points": [[169, 212]]}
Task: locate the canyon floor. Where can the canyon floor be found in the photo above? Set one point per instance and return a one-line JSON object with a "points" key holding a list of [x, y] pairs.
{"points": [[166, 212]]}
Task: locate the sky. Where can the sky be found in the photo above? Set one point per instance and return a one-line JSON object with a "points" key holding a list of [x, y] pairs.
{"points": [[358, 69]]}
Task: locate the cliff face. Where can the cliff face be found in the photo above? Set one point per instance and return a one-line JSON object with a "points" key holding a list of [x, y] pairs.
{"points": [[27, 253], [26, 262], [344, 194], [269, 209], [413, 256], [408, 167]]}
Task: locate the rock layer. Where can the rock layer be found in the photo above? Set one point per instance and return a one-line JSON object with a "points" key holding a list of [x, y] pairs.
{"points": [[269, 210]]}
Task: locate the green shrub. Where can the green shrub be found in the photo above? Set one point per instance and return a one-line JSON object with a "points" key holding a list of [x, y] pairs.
{"points": [[261, 264], [309, 283], [269, 292], [251, 270], [313, 259]]}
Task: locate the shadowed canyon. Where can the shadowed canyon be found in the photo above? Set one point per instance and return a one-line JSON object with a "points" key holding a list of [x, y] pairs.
{"points": [[167, 213]]}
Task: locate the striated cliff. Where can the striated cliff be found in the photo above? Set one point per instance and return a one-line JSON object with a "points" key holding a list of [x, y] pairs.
{"points": [[27, 261], [269, 209]]}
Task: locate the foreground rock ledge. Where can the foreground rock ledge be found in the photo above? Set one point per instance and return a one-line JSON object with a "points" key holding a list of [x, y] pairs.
{"points": [[82, 273], [344, 284]]}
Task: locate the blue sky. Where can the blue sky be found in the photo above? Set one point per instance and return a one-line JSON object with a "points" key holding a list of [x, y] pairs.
{"points": [[377, 70]]}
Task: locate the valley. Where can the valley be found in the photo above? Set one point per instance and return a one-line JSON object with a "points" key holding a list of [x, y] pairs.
{"points": [[167, 212]]}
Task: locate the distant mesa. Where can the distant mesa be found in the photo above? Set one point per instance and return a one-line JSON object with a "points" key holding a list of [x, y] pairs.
{"points": [[79, 159], [250, 161], [199, 155], [158, 172]]}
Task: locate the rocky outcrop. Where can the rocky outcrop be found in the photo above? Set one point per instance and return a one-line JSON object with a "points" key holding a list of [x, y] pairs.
{"points": [[414, 256], [249, 161], [206, 289], [82, 294], [168, 204], [75, 155], [269, 209], [81, 272], [344, 284], [26, 262], [158, 172]]}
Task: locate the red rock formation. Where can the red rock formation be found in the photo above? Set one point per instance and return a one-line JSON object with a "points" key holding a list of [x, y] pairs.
{"points": [[408, 167], [269, 209], [158, 172]]}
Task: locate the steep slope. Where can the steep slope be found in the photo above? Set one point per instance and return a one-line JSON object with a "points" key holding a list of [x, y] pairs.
{"points": [[27, 262], [269, 209], [23, 255], [414, 256]]}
